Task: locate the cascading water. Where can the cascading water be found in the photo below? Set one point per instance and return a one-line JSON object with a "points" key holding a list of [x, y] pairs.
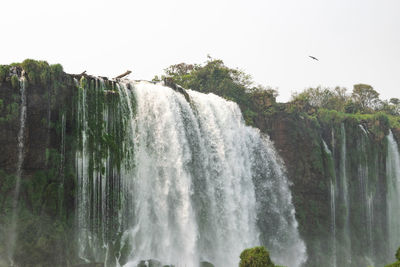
{"points": [[345, 202], [393, 193], [333, 222], [195, 184], [332, 202], [21, 132], [366, 197]]}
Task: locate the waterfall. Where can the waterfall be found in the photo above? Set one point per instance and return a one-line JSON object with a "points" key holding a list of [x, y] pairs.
{"points": [[345, 197], [366, 197], [21, 139], [332, 202], [193, 183], [393, 193], [333, 223]]}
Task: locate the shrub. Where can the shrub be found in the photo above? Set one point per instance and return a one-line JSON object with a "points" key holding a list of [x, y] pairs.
{"points": [[255, 257], [397, 263]]}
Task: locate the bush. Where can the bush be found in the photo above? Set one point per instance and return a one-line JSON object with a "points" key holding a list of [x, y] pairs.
{"points": [[255, 257], [397, 263]]}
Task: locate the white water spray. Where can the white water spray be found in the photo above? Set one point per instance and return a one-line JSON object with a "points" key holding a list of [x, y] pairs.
{"points": [[188, 187]]}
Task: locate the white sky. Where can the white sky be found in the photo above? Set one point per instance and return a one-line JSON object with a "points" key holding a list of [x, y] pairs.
{"points": [[356, 41]]}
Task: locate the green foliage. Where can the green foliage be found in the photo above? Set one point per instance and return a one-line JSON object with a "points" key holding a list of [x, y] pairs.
{"points": [[215, 77], [255, 257], [398, 254], [40, 72], [323, 98], [334, 106], [4, 70], [391, 107], [366, 96], [14, 81], [396, 264]]}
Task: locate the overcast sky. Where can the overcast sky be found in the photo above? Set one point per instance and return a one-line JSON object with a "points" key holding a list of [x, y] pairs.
{"points": [[356, 41]]}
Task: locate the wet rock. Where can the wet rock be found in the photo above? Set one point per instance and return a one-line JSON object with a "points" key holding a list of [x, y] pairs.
{"points": [[206, 264], [149, 263]]}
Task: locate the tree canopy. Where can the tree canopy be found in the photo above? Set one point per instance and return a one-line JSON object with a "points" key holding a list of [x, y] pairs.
{"points": [[363, 99], [215, 77]]}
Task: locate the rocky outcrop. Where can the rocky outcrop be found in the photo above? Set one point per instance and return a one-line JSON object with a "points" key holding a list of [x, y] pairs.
{"points": [[46, 200]]}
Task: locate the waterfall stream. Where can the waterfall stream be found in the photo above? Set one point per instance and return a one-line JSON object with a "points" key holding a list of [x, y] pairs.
{"points": [[366, 197], [393, 193], [346, 245], [332, 203], [195, 183], [21, 139]]}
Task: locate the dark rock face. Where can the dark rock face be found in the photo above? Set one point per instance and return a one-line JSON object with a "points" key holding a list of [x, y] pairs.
{"points": [[45, 202], [299, 140]]}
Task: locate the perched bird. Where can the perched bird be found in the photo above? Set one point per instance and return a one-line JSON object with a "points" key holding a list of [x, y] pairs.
{"points": [[314, 58]]}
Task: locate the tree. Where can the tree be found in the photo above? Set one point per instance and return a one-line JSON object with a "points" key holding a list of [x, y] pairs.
{"points": [[394, 101], [366, 97], [322, 98]]}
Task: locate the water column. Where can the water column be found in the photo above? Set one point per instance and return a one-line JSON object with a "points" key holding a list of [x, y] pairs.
{"points": [[20, 161], [393, 193], [331, 169], [366, 196], [345, 201]]}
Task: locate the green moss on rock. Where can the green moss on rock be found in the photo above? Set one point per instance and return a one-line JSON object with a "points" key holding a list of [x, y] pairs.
{"points": [[255, 257]]}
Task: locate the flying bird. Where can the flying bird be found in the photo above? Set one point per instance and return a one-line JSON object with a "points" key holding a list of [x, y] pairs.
{"points": [[314, 58]]}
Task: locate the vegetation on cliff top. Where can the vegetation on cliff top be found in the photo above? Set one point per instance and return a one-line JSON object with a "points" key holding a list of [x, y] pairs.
{"points": [[38, 72], [215, 77], [362, 105]]}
